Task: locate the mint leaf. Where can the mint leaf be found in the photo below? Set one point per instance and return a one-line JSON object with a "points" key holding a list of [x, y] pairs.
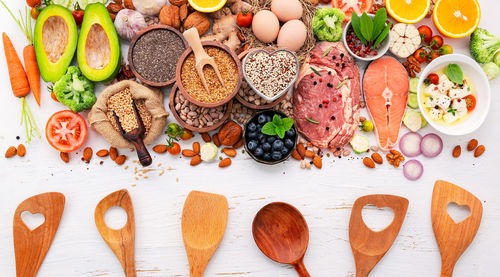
{"points": [[455, 74], [280, 131], [277, 121], [287, 123], [269, 129]]}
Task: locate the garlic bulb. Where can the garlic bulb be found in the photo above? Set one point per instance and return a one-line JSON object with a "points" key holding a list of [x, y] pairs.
{"points": [[149, 7], [128, 23]]}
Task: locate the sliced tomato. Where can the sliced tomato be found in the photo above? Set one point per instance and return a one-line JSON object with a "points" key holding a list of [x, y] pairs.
{"points": [[350, 6], [66, 131], [471, 102]]}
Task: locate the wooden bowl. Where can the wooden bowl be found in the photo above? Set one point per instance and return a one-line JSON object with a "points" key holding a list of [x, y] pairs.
{"points": [[132, 45], [174, 91], [247, 104], [188, 96]]}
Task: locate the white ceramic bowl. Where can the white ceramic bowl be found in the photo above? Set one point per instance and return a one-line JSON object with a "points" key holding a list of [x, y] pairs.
{"points": [[481, 85]]}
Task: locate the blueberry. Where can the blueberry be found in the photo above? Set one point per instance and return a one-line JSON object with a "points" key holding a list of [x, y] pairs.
{"points": [[262, 119], [252, 135], [259, 128], [276, 156], [252, 127], [252, 145], [266, 147], [271, 139], [284, 151], [267, 157], [269, 118], [290, 133], [261, 136], [258, 152], [278, 145], [289, 143]]}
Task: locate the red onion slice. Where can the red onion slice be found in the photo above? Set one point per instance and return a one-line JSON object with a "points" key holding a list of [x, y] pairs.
{"points": [[410, 144], [431, 145], [413, 170]]}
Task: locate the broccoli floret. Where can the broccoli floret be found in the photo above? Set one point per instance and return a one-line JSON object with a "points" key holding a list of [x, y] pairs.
{"points": [[327, 24], [483, 45], [75, 91]]}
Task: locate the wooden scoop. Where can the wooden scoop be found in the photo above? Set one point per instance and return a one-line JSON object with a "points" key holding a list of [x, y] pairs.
{"points": [[202, 58], [453, 238], [204, 220], [281, 233], [122, 241], [368, 246], [31, 246]]}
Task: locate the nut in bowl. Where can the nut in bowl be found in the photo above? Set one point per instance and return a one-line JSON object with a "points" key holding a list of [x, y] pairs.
{"points": [[456, 97], [271, 74]]}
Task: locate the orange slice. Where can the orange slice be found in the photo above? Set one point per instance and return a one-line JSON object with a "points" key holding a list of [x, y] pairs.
{"points": [[456, 18], [207, 6], [408, 11]]}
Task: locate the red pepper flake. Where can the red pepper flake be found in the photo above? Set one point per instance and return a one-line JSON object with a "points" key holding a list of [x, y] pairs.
{"points": [[326, 106], [312, 75], [340, 95], [320, 80], [334, 99]]}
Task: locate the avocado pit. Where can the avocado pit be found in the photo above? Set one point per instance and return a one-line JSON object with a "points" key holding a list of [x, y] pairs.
{"points": [[55, 38], [97, 47]]}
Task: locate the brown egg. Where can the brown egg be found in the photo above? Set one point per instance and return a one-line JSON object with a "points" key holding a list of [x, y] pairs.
{"points": [[287, 10], [265, 26], [292, 35]]}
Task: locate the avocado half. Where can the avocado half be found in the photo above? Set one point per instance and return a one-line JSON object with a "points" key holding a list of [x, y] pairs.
{"points": [[55, 41], [98, 51]]}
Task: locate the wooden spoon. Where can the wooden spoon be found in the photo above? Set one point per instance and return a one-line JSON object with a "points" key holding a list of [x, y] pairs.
{"points": [[31, 246], [281, 233], [121, 241], [453, 238], [204, 220], [368, 246]]}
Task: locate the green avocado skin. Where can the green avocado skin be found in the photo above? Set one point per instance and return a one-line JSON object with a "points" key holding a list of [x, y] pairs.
{"points": [[52, 72], [98, 14]]}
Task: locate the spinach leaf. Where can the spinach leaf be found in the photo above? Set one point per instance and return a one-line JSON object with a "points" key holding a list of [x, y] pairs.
{"points": [[383, 35], [356, 26], [366, 27], [455, 74]]}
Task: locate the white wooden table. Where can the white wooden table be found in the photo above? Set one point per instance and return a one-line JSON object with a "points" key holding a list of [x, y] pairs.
{"points": [[323, 196]]}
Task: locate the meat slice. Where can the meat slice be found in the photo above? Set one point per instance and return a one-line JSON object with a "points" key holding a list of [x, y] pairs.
{"points": [[385, 85]]}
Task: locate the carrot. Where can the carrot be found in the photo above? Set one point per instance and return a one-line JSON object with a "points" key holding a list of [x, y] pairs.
{"points": [[18, 79], [32, 71]]}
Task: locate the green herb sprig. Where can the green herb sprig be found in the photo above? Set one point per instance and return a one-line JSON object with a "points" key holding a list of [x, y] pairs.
{"points": [[278, 126], [174, 132], [455, 74], [371, 32], [312, 120]]}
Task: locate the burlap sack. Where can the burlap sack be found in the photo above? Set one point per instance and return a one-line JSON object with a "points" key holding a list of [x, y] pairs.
{"points": [[153, 100]]}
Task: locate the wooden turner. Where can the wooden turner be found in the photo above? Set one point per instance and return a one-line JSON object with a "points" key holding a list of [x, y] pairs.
{"points": [[121, 241], [202, 58], [453, 238], [204, 220], [368, 246], [31, 246]]}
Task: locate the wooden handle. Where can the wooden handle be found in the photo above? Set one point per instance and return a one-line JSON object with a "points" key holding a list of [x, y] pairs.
{"points": [[301, 269], [122, 241], [193, 38], [142, 152]]}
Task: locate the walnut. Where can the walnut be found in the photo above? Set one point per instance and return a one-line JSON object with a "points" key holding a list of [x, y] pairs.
{"points": [[114, 8], [169, 15], [129, 4], [178, 3], [198, 20], [412, 66]]}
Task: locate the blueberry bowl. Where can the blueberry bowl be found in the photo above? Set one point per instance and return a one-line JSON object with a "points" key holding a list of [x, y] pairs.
{"points": [[264, 148]]}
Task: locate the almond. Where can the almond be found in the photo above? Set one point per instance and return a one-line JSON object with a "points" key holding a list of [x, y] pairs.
{"points": [[472, 144], [296, 155], [216, 140], [479, 151], [114, 8], [206, 137], [377, 158], [238, 144], [178, 2], [456, 151], [368, 162], [188, 153], [301, 149], [317, 162], [11, 152], [120, 159], [196, 160], [225, 163], [230, 152], [102, 153], [160, 148], [113, 153], [309, 154], [87, 154], [196, 147], [64, 156], [118, 1], [21, 150]]}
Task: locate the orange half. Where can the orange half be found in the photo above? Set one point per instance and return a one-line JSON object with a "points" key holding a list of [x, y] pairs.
{"points": [[456, 18], [408, 11]]}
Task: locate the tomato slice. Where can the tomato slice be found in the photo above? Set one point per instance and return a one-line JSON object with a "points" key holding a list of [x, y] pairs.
{"points": [[66, 131], [471, 102], [350, 6]]}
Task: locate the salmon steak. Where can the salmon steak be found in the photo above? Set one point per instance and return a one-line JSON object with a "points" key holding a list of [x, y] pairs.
{"points": [[386, 85]]}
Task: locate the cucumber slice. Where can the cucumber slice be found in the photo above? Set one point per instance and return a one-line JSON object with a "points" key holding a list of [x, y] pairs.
{"points": [[360, 144], [208, 152], [414, 84], [424, 122], [412, 101], [413, 120]]}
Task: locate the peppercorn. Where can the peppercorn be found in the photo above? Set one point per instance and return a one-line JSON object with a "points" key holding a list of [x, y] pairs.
{"points": [[327, 128], [321, 106], [332, 118]]}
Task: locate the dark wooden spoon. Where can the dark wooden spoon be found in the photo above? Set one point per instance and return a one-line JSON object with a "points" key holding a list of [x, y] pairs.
{"points": [[281, 233], [135, 136]]}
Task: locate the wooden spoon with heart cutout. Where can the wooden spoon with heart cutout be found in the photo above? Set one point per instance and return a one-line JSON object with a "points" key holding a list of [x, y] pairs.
{"points": [[31, 246], [368, 246], [204, 220], [121, 241], [453, 238]]}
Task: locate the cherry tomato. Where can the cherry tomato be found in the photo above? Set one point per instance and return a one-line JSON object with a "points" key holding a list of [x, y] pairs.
{"points": [[425, 33], [471, 102], [33, 3], [35, 12], [175, 149], [433, 55], [445, 50], [436, 42], [433, 78], [186, 134], [66, 131], [357, 6], [244, 19], [78, 15], [421, 55]]}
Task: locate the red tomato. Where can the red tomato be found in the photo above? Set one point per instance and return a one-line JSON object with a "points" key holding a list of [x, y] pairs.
{"points": [[436, 42], [433, 78], [175, 149], [350, 6], [425, 33], [433, 55], [421, 55], [244, 19], [78, 15], [66, 131], [471, 102], [33, 3]]}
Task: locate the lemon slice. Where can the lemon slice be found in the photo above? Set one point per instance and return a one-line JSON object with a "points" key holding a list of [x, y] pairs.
{"points": [[408, 11], [207, 6]]}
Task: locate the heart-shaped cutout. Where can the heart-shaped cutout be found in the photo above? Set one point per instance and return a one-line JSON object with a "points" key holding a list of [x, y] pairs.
{"points": [[270, 74], [377, 218], [458, 213], [32, 221]]}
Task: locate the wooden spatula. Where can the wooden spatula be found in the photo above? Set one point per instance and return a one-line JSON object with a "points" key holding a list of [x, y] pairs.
{"points": [[121, 241], [368, 246], [31, 246], [453, 238], [204, 220], [202, 58]]}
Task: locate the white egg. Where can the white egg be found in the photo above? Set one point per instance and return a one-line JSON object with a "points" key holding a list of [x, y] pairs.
{"points": [[265, 26], [292, 35], [287, 10]]}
